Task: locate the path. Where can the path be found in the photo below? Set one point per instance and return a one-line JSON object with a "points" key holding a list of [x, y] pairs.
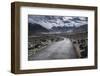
{"points": [[58, 50]]}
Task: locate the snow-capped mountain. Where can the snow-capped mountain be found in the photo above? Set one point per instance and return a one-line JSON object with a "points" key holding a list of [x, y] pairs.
{"points": [[56, 23]]}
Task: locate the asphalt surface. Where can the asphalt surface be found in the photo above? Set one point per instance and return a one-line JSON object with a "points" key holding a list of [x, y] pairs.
{"points": [[58, 50]]}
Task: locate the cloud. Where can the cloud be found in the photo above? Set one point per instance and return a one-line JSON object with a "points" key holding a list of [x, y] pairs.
{"points": [[67, 18], [50, 21]]}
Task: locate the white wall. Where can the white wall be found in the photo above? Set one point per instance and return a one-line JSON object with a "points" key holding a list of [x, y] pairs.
{"points": [[5, 42]]}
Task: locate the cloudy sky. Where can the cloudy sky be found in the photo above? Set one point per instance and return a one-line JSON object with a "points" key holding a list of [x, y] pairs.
{"points": [[50, 21]]}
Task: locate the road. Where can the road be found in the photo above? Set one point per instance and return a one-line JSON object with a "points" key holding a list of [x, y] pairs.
{"points": [[58, 50]]}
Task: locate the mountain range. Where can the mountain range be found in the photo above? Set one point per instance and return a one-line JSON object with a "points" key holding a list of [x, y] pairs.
{"points": [[37, 28]]}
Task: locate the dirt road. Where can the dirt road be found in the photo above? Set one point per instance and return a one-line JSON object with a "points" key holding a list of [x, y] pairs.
{"points": [[58, 50]]}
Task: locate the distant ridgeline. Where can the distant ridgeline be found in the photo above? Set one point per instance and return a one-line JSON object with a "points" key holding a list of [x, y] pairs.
{"points": [[34, 28]]}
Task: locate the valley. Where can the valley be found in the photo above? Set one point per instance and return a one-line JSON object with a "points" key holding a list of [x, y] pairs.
{"points": [[61, 45]]}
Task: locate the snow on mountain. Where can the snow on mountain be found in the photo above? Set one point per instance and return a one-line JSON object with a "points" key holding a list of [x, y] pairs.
{"points": [[58, 23]]}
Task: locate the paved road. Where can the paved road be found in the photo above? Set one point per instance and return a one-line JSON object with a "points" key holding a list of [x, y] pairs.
{"points": [[58, 50]]}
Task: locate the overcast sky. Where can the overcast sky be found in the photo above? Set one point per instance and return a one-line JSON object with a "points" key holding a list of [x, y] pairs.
{"points": [[50, 21]]}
